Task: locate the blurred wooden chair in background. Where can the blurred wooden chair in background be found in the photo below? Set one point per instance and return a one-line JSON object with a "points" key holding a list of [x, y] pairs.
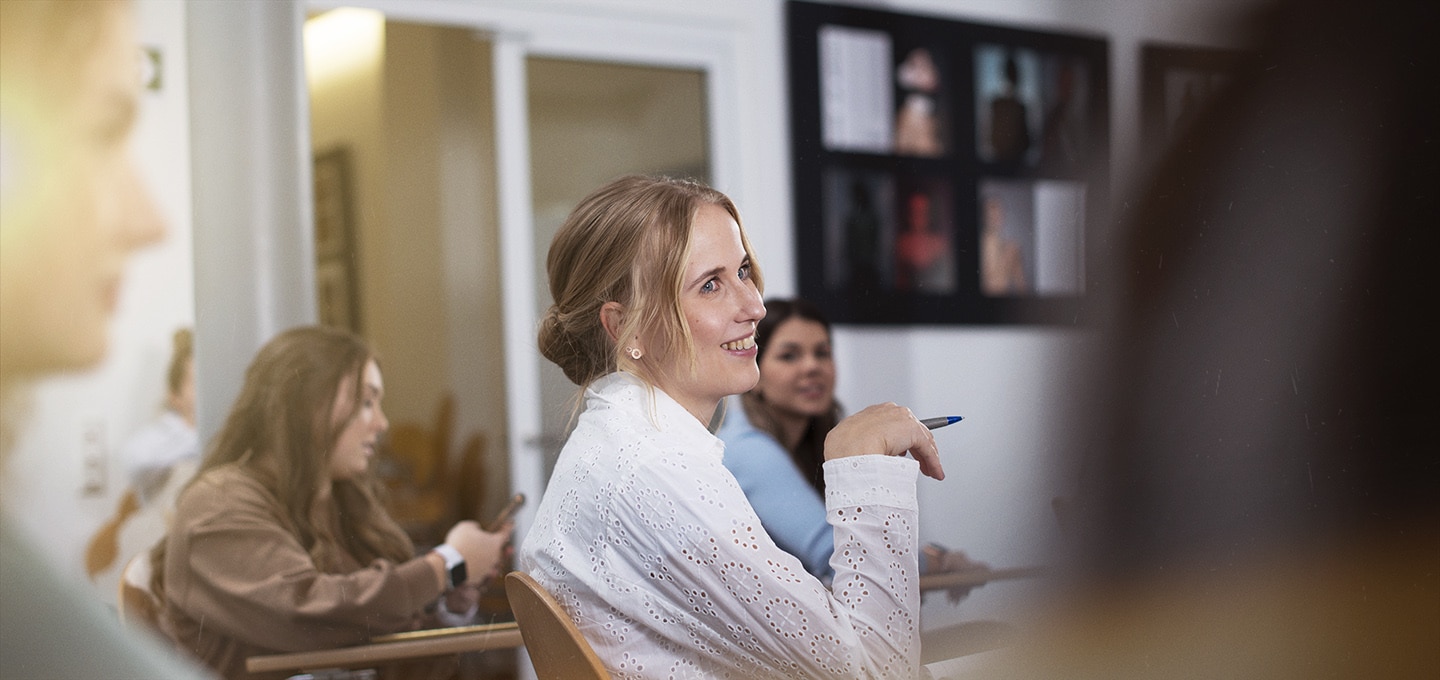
{"points": [[556, 648], [430, 489], [104, 547]]}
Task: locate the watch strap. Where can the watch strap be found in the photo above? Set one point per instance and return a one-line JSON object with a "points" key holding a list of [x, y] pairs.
{"points": [[454, 563]]}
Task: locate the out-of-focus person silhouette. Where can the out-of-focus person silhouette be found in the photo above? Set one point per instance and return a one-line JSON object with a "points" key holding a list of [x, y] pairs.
{"points": [[917, 123], [159, 458], [72, 209], [1002, 269], [862, 240], [923, 259], [1060, 134], [1259, 495], [1009, 124], [152, 453], [1192, 99], [280, 543]]}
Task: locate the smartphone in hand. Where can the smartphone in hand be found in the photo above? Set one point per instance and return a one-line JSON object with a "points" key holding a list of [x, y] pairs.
{"points": [[507, 512]]}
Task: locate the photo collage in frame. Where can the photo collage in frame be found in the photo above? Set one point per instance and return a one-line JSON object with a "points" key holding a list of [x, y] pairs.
{"points": [[945, 172]]}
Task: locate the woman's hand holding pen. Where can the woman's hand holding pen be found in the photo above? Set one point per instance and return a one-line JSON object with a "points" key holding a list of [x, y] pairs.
{"points": [[888, 429]]}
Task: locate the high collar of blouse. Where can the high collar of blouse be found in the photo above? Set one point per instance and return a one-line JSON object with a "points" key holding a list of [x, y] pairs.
{"points": [[628, 392]]}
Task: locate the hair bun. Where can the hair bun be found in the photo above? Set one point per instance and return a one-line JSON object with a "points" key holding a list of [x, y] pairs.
{"points": [[558, 343]]}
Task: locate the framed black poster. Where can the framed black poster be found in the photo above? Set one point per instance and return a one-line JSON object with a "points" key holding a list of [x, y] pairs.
{"points": [[336, 253], [945, 172]]}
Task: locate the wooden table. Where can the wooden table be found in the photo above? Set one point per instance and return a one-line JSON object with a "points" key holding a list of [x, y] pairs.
{"points": [[462, 639], [387, 648], [975, 577]]}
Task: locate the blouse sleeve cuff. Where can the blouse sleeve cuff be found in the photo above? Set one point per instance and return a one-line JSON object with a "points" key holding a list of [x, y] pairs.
{"points": [[871, 480]]}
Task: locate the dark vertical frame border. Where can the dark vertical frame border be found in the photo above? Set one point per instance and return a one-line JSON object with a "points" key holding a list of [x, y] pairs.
{"points": [[337, 293], [961, 166]]}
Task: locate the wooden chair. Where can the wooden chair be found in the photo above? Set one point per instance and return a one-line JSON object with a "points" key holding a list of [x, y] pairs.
{"points": [[104, 546], [556, 648], [137, 605], [431, 488]]}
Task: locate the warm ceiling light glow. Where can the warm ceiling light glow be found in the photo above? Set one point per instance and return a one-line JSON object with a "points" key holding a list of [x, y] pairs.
{"points": [[342, 41]]}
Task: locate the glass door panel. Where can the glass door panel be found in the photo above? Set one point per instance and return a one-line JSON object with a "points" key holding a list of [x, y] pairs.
{"points": [[590, 122]]}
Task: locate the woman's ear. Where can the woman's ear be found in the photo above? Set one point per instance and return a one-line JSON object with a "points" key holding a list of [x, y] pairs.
{"points": [[612, 315]]}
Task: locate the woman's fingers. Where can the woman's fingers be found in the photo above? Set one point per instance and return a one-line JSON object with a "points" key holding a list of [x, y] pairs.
{"points": [[888, 429]]}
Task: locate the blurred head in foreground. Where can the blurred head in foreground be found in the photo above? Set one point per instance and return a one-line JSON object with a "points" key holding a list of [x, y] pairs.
{"points": [[72, 207], [1259, 490]]}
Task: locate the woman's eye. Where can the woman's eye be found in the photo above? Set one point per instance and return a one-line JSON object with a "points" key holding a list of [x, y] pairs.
{"points": [[744, 272], [709, 286]]}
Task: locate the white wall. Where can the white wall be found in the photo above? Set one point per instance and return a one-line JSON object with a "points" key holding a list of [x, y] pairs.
{"points": [[44, 484]]}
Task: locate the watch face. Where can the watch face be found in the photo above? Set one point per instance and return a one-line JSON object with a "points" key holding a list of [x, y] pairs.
{"points": [[457, 574]]}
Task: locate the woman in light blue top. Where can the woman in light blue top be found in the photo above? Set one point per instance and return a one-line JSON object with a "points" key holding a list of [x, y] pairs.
{"points": [[775, 434], [775, 438]]}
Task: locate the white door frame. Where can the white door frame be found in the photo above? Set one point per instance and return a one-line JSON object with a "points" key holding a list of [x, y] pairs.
{"points": [[521, 30]]}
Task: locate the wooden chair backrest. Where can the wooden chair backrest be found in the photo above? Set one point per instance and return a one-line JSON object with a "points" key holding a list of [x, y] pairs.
{"points": [[556, 648], [104, 546], [137, 605]]}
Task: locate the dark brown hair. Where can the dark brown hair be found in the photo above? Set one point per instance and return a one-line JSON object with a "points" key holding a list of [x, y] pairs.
{"points": [[809, 453]]}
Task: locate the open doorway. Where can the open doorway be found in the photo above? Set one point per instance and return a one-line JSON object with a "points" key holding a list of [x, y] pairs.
{"points": [[407, 228]]}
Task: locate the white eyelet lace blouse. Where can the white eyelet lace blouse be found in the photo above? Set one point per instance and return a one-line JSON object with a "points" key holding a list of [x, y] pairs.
{"points": [[647, 541]]}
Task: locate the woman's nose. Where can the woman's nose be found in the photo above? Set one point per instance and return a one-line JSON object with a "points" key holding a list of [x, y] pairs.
{"points": [[140, 220], [752, 306]]}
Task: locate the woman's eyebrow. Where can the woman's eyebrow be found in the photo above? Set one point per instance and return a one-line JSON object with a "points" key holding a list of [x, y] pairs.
{"points": [[705, 275]]}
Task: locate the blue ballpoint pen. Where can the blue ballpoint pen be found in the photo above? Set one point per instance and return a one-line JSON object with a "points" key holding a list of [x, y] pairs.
{"points": [[942, 421]]}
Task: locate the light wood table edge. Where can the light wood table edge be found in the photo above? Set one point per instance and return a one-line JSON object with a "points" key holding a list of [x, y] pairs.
{"points": [[975, 577], [479, 638]]}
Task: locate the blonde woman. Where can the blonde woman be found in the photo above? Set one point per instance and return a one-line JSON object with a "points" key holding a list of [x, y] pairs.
{"points": [[643, 536]]}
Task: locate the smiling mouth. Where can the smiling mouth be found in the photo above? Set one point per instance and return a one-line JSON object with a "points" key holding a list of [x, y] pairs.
{"points": [[740, 345]]}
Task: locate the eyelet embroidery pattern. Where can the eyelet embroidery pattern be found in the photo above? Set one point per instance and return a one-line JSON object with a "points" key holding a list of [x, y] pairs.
{"points": [[647, 541]]}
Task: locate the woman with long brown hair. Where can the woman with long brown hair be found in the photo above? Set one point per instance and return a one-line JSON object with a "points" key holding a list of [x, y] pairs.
{"points": [[280, 543]]}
